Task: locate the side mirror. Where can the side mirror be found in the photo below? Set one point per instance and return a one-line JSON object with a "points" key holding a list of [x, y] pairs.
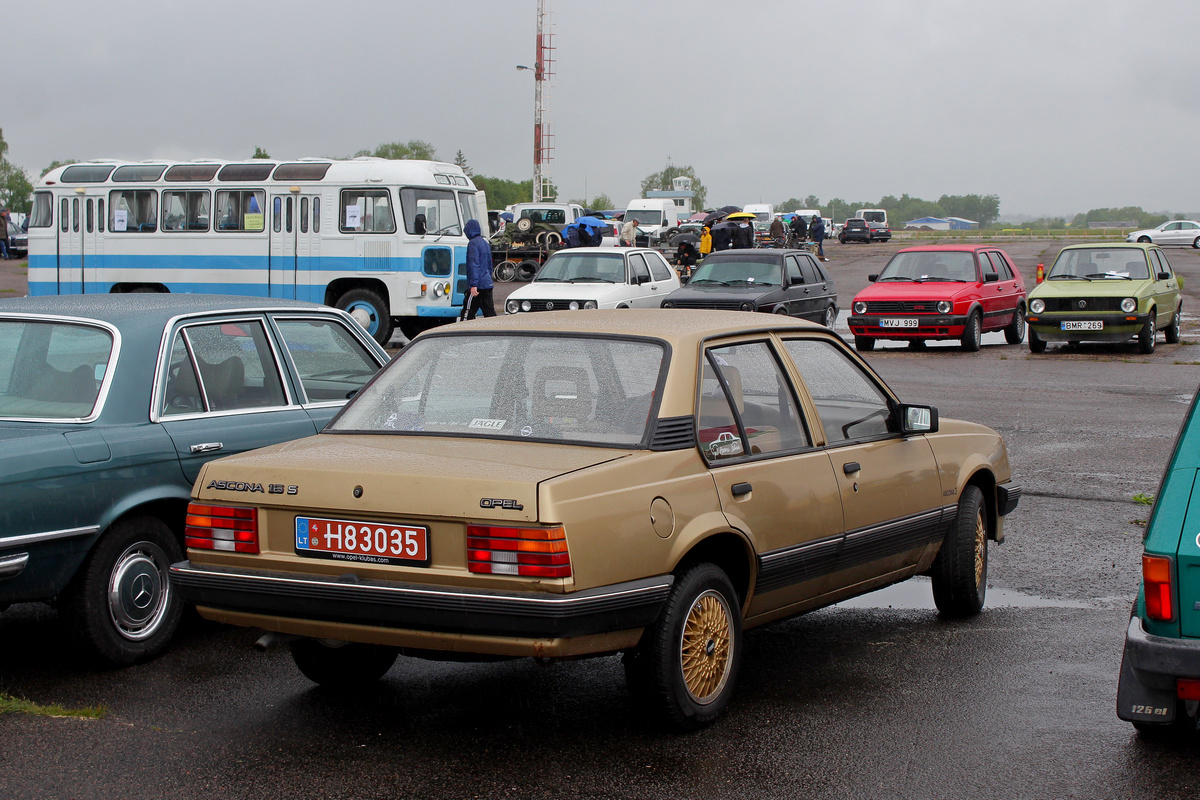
{"points": [[917, 419], [990, 277], [797, 280], [1164, 276], [874, 276]]}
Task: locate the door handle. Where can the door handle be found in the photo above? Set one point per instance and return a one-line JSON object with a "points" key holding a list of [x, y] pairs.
{"points": [[851, 467], [739, 489], [207, 447]]}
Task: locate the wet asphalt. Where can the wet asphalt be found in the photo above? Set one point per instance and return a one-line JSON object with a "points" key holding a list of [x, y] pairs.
{"points": [[878, 697]]}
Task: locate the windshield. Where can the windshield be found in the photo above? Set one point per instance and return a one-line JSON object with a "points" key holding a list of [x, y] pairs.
{"points": [[930, 266], [644, 216], [1100, 263], [740, 271], [592, 390], [51, 370], [583, 268]]}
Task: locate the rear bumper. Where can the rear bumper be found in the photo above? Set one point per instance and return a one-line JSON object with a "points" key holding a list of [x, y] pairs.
{"points": [[1150, 667], [410, 606]]}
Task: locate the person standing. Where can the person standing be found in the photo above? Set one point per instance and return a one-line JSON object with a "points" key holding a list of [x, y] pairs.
{"points": [[817, 231], [799, 229], [629, 233], [4, 252], [777, 232], [479, 271], [706, 242], [743, 237]]}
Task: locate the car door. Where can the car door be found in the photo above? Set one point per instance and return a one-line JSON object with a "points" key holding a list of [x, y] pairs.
{"points": [[1166, 291], [773, 485], [223, 391], [1005, 291], [817, 289], [328, 359], [1170, 234], [889, 484], [643, 288], [1189, 233]]}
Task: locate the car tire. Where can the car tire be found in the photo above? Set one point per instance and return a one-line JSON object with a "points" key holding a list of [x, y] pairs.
{"points": [[1147, 335], [687, 662], [121, 604], [341, 665], [1015, 331], [1172, 331], [527, 269], [1036, 343], [959, 573], [972, 335], [864, 344], [1196, 243], [830, 317], [506, 271], [370, 311], [1144, 239]]}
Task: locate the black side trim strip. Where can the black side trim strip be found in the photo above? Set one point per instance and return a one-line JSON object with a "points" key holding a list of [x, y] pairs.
{"points": [[634, 604], [792, 565]]}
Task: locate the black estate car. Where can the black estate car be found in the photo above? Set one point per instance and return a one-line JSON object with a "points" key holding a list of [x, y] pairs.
{"points": [[788, 282], [855, 230]]}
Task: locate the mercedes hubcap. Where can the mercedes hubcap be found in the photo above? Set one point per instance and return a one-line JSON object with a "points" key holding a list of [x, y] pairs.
{"points": [[138, 591]]}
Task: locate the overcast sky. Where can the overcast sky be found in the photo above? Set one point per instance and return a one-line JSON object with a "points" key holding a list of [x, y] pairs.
{"points": [[1056, 106]]}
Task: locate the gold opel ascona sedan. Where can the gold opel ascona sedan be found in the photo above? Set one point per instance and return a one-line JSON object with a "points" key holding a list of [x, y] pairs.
{"points": [[590, 483]]}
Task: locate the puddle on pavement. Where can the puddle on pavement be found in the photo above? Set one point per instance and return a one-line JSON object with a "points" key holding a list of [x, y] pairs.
{"points": [[917, 594]]}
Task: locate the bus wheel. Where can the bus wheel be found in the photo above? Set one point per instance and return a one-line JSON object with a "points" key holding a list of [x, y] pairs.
{"points": [[369, 311]]}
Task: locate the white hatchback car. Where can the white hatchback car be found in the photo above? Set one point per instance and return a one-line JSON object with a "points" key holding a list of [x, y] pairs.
{"points": [[597, 277], [1184, 232]]}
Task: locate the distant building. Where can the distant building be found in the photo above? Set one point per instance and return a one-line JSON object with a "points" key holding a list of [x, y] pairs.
{"points": [[682, 195], [939, 224]]}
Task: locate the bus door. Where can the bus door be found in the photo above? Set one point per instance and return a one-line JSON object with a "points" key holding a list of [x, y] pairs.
{"points": [[70, 246], [460, 277], [91, 234], [295, 242]]}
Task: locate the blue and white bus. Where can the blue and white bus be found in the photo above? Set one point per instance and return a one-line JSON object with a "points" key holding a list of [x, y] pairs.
{"points": [[382, 239]]}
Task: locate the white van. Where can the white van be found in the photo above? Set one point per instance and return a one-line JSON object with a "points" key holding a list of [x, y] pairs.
{"points": [[877, 215], [763, 214], [655, 216]]}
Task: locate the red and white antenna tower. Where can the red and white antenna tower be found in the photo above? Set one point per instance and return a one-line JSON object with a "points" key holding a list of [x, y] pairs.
{"points": [[543, 136]]}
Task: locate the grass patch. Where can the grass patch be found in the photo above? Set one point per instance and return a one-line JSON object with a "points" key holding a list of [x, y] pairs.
{"points": [[16, 705], [1143, 499]]}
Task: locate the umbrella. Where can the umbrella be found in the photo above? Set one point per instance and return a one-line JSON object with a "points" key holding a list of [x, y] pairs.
{"points": [[591, 222], [679, 238], [699, 215], [729, 209], [506, 216], [741, 215], [715, 216], [723, 225]]}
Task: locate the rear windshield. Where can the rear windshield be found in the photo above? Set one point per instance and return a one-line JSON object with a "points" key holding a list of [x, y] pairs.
{"points": [[875, 216], [51, 370], [547, 387], [1100, 263]]}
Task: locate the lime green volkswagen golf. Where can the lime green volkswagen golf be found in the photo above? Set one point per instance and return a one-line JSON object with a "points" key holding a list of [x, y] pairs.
{"points": [[1106, 293]]}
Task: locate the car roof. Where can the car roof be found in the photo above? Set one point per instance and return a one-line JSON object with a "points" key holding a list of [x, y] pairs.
{"points": [[603, 250], [1112, 246], [682, 327], [152, 308], [952, 248]]}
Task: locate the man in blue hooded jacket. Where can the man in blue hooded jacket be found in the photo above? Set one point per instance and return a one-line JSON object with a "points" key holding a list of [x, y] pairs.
{"points": [[479, 272]]}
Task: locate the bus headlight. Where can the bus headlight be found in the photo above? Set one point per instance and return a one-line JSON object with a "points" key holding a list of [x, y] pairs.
{"points": [[512, 306], [1037, 306], [1129, 305]]}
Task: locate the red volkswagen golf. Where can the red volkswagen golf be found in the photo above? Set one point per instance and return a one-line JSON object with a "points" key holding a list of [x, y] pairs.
{"points": [[947, 291]]}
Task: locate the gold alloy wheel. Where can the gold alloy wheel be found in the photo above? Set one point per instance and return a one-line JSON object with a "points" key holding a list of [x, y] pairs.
{"points": [[705, 647], [980, 547]]}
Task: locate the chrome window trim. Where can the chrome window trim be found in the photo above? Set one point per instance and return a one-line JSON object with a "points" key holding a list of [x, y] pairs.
{"points": [[185, 321], [47, 536], [109, 371]]}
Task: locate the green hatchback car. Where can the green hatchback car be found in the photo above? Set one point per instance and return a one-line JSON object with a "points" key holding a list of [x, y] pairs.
{"points": [[1159, 687], [1106, 293]]}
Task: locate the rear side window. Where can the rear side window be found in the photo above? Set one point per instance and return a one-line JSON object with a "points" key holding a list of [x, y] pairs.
{"points": [[51, 370], [222, 367], [43, 208], [332, 364], [658, 268]]}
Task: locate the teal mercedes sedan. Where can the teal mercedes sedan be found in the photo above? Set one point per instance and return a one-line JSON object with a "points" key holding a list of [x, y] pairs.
{"points": [[109, 407]]}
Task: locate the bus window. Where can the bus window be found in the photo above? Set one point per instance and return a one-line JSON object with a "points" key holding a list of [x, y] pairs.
{"points": [[467, 203], [367, 211], [438, 206], [316, 215], [100, 213], [287, 219], [90, 218], [63, 216], [185, 211], [133, 211], [43, 205], [277, 214], [304, 215], [75, 214], [241, 210]]}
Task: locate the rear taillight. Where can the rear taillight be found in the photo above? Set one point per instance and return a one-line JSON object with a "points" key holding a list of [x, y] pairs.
{"points": [[1187, 689], [221, 528], [1156, 578], [529, 552]]}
